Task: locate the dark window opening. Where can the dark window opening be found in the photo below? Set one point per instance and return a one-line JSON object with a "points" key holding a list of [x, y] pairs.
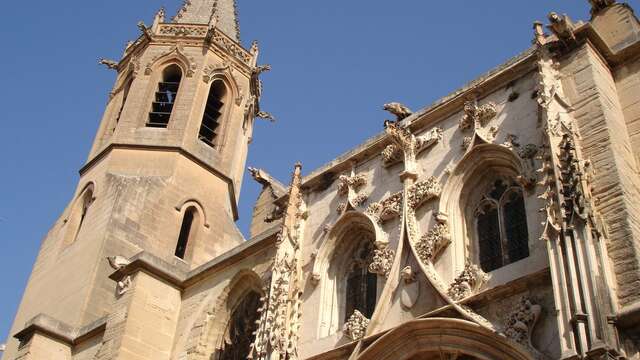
{"points": [[185, 232], [501, 224], [165, 97], [212, 113], [125, 94], [240, 331], [361, 284]]}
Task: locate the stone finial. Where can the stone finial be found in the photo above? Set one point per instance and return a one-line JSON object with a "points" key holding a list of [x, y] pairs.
{"points": [[538, 32], [561, 26], [158, 19], [400, 111], [356, 327]]}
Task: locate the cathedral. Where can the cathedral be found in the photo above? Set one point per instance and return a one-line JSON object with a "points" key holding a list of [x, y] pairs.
{"points": [[500, 223]]}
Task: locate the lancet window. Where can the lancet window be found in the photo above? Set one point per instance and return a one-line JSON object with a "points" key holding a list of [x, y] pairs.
{"points": [[361, 285], [212, 113], [188, 231], [78, 215], [165, 97], [501, 225], [239, 332]]}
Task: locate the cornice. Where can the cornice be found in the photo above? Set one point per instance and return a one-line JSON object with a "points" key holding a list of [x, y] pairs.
{"points": [[177, 149], [59, 330]]}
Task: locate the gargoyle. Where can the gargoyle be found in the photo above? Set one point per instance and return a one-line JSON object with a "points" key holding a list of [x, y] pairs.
{"points": [[261, 68], [599, 5], [259, 176], [400, 111], [118, 262], [562, 27], [144, 29], [265, 115], [110, 64]]}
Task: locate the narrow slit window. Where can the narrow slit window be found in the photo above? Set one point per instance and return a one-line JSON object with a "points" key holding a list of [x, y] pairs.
{"points": [[165, 97], [212, 112], [187, 232], [125, 94]]}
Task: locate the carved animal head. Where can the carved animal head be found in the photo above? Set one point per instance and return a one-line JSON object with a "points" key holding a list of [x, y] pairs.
{"points": [[397, 109], [554, 18]]}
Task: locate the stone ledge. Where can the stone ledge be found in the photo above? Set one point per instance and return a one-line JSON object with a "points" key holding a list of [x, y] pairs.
{"points": [[178, 274], [59, 330]]}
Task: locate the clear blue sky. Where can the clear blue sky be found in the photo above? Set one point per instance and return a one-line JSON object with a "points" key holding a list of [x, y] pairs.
{"points": [[334, 62]]}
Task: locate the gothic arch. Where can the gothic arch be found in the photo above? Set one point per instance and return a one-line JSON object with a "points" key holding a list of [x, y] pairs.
{"points": [[175, 55], [224, 73], [347, 222], [209, 328], [332, 260], [75, 215], [481, 161], [436, 336]]}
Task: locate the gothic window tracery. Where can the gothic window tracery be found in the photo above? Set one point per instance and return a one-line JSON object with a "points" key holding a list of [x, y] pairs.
{"points": [[239, 333], [165, 97], [501, 225], [213, 111], [361, 284]]}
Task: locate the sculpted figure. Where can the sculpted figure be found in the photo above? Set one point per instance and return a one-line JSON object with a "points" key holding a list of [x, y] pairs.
{"points": [[561, 26], [400, 111]]}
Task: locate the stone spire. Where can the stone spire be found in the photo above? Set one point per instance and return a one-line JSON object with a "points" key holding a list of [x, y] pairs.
{"points": [[203, 11]]}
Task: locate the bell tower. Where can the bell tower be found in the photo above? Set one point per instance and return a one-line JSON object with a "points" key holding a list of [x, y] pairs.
{"points": [[163, 175]]}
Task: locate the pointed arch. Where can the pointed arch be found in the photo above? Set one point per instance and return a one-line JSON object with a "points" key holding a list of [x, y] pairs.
{"points": [[435, 336], [210, 329], [78, 212], [476, 166], [175, 55]]}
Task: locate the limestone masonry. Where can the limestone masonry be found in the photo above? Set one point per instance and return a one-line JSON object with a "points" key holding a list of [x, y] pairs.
{"points": [[502, 222]]}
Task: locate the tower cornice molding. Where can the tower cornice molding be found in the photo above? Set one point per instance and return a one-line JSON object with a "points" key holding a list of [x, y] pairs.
{"points": [[174, 149]]}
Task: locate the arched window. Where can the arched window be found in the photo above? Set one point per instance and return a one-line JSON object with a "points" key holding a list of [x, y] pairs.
{"points": [[501, 225], [188, 231], [239, 332], [78, 215], [361, 285], [165, 97], [213, 110]]}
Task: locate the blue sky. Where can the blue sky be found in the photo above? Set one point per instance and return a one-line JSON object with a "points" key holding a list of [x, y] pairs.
{"points": [[335, 63]]}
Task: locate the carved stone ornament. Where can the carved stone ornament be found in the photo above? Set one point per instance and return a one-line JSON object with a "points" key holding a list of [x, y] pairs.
{"points": [[477, 116], [521, 321], [599, 5], [433, 243], [468, 282], [562, 27], [183, 30], [410, 288], [213, 69], [386, 209], [124, 285], [400, 111], [423, 191], [118, 262], [178, 52], [110, 64], [393, 153], [356, 326], [382, 261], [355, 182]]}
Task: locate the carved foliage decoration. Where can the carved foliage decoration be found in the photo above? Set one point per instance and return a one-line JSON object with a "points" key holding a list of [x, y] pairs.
{"points": [[356, 326], [386, 209], [476, 118], [178, 52], [468, 282], [405, 141], [423, 191], [521, 321], [382, 261], [433, 242]]}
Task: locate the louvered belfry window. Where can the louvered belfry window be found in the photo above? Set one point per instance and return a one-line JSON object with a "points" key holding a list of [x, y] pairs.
{"points": [[501, 225], [165, 97], [361, 287], [212, 112]]}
